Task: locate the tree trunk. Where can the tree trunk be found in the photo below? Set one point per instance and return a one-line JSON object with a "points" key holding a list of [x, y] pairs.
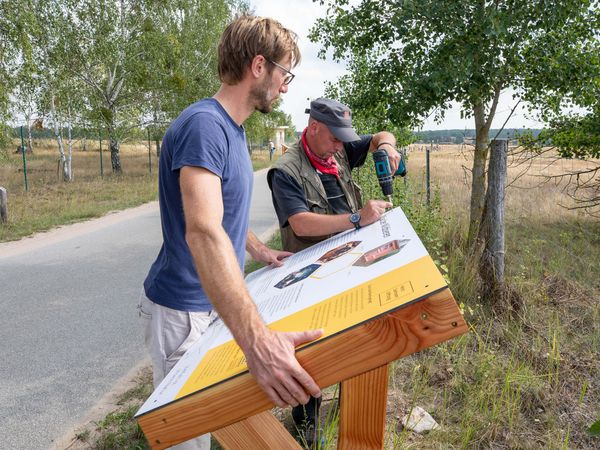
{"points": [[115, 157], [479, 166], [3, 205], [29, 138], [67, 167], [491, 266], [59, 142], [157, 142]]}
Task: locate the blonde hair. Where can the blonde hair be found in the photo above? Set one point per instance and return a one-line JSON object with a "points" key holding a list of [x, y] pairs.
{"points": [[249, 36]]}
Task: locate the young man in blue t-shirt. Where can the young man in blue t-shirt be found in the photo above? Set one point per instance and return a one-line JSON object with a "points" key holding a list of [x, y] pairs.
{"points": [[205, 186]]}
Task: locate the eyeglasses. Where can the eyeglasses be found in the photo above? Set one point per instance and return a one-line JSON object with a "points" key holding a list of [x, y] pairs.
{"points": [[289, 77]]}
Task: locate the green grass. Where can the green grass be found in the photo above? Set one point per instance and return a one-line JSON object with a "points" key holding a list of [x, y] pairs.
{"points": [[118, 430], [516, 380], [49, 206]]}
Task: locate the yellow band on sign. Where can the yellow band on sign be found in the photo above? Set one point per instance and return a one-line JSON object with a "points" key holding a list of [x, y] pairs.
{"points": [[352, 307]]}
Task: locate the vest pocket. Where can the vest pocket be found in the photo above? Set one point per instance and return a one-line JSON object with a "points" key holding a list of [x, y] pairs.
{"points": [[357, 194], [317, 207]]}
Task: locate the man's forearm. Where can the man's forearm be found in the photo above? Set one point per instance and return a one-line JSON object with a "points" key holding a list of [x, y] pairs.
{"points": [[385, 139], [312, 224], [253, 245]]}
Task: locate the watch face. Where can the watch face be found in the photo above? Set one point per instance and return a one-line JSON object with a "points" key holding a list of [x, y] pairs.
{"points": [[355, 218]]}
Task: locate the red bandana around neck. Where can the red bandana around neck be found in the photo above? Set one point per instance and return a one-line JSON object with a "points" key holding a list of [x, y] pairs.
{"points": [[328, 165]]}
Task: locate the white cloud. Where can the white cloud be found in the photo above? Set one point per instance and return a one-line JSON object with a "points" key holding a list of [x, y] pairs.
{"points": [[313, 73]]}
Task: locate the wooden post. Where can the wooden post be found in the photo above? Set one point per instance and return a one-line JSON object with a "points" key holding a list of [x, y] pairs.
{"points": [[149, 152], [101, 164], [3, 205], [427, 173], [363, 407], [259, 432], [24, 151], [492, 227], [404, 156]]}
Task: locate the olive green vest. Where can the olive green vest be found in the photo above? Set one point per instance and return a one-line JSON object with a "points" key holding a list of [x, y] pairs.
{"points": [[295, 163]]}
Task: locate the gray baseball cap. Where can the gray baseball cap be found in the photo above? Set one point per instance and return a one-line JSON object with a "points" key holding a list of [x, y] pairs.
{"points": [[336, 116]]}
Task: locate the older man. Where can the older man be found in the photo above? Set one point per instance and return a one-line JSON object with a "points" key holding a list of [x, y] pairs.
{"points": [[315, 197]]}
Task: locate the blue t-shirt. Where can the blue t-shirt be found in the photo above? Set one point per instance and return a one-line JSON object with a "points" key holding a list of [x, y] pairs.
{"points": [[204, 135]]}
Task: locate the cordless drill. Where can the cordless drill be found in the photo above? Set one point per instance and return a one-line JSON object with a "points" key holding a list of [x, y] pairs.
{"points": [[384, 172]]}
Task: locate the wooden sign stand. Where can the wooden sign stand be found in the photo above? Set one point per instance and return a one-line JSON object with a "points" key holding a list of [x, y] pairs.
{"points": [[236, 411]]}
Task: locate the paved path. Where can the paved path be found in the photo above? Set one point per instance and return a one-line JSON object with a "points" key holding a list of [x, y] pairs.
{"points": [[69, 327]]}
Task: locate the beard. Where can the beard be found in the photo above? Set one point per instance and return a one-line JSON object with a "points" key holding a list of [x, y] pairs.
{"points": [[262, 97]]}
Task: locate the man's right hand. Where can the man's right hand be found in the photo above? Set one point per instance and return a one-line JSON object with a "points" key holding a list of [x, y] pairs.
{"points": [[272, 361], [372, 211]]}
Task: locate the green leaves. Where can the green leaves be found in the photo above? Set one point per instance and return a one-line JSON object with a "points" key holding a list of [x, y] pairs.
{"points": [[431, 52]]}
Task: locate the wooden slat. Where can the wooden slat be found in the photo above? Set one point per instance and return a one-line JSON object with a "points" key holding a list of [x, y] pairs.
{"points": [[363, 407], [259, 432], [358, 350]]}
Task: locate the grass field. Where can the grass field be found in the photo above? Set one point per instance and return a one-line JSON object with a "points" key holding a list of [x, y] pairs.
{"points": [[50, 202], [527, 378]]}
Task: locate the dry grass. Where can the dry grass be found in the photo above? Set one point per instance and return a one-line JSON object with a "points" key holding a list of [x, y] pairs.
{"points": [[50, 202], [530, 194], [527, 380]]}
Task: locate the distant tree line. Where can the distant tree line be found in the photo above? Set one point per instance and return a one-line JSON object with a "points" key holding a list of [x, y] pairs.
{"points": [[457, 136]]}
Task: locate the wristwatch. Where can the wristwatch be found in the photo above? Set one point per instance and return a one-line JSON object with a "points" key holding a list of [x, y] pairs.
{"points": [[355, 220]]}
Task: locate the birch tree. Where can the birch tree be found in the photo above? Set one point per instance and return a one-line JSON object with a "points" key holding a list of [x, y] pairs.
{"points": [[416, 57], [98, 45], [18, 31], [179, 59]]}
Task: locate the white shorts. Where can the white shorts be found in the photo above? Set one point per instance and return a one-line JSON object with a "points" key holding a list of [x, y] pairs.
{"points": [[168, 334]]}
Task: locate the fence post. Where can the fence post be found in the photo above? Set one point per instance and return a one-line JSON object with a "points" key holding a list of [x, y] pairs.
{"points": [[3, 205], [149, 151], [101, 165], [24, 151], [492, 227], [427, 173], [404, 156]]}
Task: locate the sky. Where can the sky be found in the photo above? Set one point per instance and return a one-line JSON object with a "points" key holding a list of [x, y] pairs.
{"points": [[312, 73]]}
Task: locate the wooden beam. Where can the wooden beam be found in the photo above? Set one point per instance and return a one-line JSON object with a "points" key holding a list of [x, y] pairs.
{"points": [[363, 407], [259, 432], [402, 332]]}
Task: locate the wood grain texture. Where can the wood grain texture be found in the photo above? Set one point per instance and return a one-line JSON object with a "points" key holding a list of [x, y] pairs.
{"points": [[259, 432], [363, 407], [366, 347]]}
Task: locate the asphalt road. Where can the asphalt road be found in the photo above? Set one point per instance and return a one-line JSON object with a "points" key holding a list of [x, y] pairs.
{"points": [[69, 328]]}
